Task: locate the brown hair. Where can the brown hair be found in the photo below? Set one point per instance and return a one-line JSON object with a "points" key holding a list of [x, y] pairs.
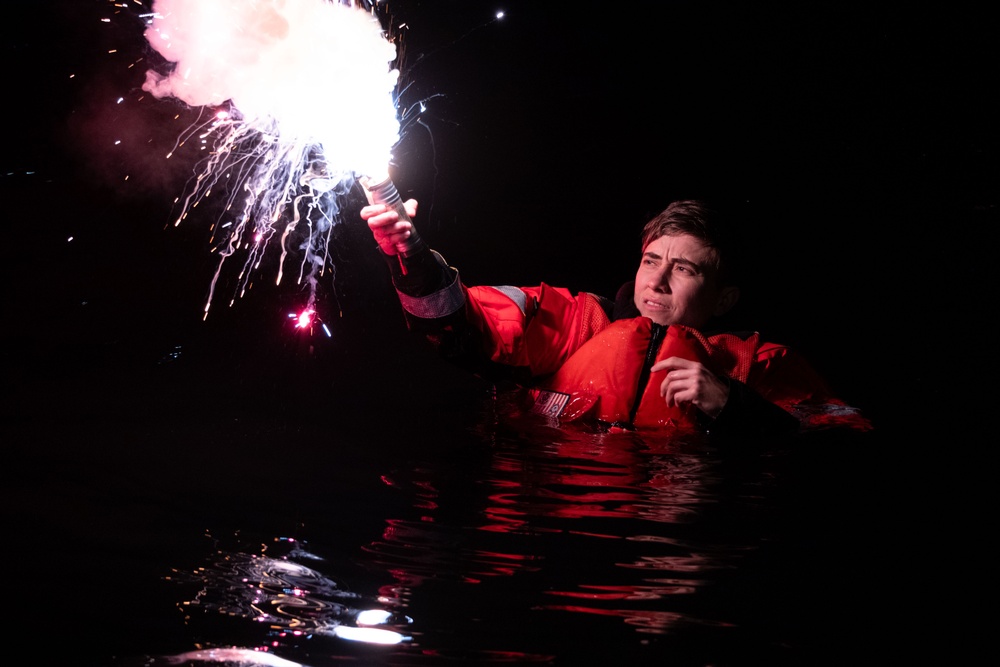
{"points": [[706, 222]]}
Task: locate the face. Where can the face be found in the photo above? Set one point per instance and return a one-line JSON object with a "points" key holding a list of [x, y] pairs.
{"points": [[677, 284]]}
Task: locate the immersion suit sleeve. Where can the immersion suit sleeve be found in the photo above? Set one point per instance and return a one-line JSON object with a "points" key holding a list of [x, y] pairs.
{"points": [[434, 305], [420, 274]]}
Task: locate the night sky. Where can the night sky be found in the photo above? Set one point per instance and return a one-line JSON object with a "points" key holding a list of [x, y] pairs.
{"points": [[861, 139]]}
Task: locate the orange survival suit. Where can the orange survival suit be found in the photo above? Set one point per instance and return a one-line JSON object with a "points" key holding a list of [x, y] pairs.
{"points": [[587, 357]]}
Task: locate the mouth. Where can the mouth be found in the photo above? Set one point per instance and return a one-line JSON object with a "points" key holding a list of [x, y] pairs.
{"points": [[654, 305]]}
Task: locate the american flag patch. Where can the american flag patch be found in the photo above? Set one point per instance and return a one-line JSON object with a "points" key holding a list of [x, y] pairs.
{"points": [[550, 403]]}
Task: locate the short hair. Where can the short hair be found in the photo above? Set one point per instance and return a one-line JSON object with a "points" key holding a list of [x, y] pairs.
{"points": [[708, 222]]}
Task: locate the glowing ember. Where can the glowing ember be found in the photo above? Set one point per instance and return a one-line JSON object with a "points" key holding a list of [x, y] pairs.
{"points": [[304, 318]]}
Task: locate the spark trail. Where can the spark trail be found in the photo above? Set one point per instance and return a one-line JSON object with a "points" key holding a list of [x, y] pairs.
{"points": [[296, 101]]}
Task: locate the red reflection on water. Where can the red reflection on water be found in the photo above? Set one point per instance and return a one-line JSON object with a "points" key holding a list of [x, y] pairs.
{"points": [[646, 621], [582, 475], [420, 550], [458, 657], [593, 507], [653, 589], [626, 592]]}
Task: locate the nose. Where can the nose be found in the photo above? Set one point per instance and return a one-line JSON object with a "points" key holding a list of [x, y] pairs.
{"points": [[659, 279]]}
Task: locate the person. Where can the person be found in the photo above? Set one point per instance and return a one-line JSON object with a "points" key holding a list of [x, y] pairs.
{"points": [[646, 360]]}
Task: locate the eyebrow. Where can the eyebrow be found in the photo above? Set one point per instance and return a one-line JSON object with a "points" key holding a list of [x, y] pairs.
{"points": [[676, 260]]}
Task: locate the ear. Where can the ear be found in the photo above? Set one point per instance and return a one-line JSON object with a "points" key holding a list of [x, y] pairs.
{"points": [[727, 299]]}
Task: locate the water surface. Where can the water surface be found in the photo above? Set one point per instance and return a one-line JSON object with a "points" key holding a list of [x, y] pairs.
{"points": [[197, 512]]}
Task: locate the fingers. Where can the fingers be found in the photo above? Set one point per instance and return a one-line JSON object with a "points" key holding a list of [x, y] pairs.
{"points": [[697, 386], [380, 215], [387, 227], [661, 366], [680, 384], [673, 364], [384, 220], [372, 210]]}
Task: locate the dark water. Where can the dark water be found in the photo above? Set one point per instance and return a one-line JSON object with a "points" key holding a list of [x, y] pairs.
{"points": [[159, 504]]}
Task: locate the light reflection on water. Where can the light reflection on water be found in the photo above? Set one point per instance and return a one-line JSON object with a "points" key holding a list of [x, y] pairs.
{"points": [[590, 512], [290, 600], [536, 544]]}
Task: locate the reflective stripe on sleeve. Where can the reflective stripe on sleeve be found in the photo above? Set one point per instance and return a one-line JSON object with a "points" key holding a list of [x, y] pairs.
{"points": [[439, 304], [516, 295]]}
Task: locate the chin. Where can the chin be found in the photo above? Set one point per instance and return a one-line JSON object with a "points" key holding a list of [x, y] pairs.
{"points": [[659, 318]]}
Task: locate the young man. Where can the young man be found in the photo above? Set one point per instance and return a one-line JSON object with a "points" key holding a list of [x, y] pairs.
{"points": [[641, 361]]}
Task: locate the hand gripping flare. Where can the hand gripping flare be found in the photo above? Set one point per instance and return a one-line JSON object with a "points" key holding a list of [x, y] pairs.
{"points": [[384, 192]]}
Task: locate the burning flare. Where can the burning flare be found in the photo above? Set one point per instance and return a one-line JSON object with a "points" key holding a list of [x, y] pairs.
{"points": [[300, 101]]}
